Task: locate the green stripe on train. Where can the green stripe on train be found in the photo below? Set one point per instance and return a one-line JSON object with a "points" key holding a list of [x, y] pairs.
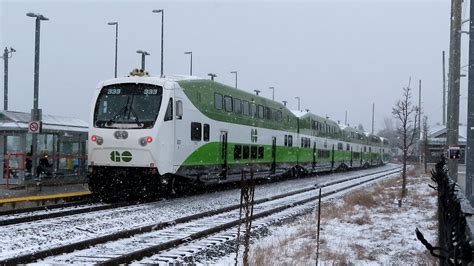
{"points": [[210, 154]]}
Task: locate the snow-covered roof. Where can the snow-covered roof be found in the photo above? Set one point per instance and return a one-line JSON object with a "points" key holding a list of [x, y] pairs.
{"points": [[11, 120], [298, 113]]}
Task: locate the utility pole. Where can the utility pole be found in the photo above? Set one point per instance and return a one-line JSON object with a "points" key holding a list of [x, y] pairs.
{"points": [[373, 113], [470, 112], [453, 84], [444, 90], [419, 119]]}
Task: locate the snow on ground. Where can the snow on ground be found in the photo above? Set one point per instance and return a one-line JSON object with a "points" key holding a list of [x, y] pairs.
{"points": [[365, 228]]}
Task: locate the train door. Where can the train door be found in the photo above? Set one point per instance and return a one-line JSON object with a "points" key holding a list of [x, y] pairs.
{"points": [[223, 155], [314, 155], [351, 155], [273, 169]]}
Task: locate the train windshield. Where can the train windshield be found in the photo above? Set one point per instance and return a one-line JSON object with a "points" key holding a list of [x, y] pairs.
{"points": [[128, 105]]}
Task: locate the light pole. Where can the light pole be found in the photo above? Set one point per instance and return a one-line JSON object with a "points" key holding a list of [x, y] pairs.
{"points": [[143, 53], [284, 102], [273, 92], [35, 113], [191, 64], [116, 43], [212, 75], [162, 11], [6, 55], [298, 98], [256, 92], [235, 72]]}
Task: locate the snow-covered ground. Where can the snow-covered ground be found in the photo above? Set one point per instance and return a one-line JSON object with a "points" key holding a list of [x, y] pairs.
{"points": [[365, 227]]}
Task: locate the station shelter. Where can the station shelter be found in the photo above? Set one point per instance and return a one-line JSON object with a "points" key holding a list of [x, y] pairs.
{"points": [[62, 142], [437, 143]]}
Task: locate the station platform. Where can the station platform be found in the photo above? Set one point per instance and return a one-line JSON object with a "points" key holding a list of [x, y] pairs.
{"points": [[20, 194]]}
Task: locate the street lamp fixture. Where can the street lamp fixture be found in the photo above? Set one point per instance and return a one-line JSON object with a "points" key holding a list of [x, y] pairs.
{"points": [[273, 92], [212, 75], [143, 53], [284, 102], [235, 72], [35, 112], [7, 54], [298, 98], [191, 63], [116, 43], [162, 11], [256, 92]]}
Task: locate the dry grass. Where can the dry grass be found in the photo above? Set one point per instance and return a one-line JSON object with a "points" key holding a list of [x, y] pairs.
{"points": [[353, 209], [361, 198]]}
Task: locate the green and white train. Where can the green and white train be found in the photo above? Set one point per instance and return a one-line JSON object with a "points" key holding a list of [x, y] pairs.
{"points": [[147, 132]]}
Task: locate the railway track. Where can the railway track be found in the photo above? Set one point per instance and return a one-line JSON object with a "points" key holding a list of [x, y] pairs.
{"points": [[135, 244]]}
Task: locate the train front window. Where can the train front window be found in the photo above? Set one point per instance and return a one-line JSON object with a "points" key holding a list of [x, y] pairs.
{"points": [[128, 105]]}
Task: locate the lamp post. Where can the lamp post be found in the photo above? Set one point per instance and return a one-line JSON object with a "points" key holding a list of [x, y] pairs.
{"points": [[7, 54], [143, 53], [273, 92], [212, 75], [35, 113], [256, 92], [298, 98], [116, 43], [162, 11], [191, 63], [235, 72]]}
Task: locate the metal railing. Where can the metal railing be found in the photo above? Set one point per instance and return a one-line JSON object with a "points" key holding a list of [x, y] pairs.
{"points": [[455, 221]]}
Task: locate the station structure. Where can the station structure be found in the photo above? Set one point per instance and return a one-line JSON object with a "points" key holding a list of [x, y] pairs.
{"points": [[437, 143], [62, 142]]}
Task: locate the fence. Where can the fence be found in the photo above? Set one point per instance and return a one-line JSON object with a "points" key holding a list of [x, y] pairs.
{"points": [[455, 221]]}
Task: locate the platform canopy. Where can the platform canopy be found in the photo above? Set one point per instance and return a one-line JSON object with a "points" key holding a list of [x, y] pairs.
{"points": [[18, 121]]}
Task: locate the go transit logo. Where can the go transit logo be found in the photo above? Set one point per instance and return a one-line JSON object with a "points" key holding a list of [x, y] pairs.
{"points": [[253, 135], [115, 156]]}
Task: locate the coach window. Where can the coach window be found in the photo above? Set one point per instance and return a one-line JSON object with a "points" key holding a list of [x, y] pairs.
{"points": [[340, 147], [268, 113], [290, 141], [237, 106], [237, 152], [245, 153], [260, 152], [254, 110], [348, 147], [279, 116], [261, 111], [253, 152], [365, 149], [228, 103], [196, 131], [245, 108], [169, 111], [370, 149], [206, 132], [218, 101]]}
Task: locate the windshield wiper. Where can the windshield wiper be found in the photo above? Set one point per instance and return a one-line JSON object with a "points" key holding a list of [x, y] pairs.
{"points": [[120, 113], [137, 121]]}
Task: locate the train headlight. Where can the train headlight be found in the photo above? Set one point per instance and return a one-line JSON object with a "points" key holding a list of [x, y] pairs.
{"points": [[97, 139], [121, 134], [145, 140]]}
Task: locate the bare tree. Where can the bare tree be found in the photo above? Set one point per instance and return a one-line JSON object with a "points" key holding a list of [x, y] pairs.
{"points": [[407, 114]]}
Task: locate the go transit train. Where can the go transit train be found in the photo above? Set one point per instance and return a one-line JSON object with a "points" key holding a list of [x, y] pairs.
{"points": [[152, 135]]}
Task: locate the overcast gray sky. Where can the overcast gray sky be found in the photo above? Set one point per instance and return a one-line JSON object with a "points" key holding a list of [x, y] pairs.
{"points": [[335, 55]]}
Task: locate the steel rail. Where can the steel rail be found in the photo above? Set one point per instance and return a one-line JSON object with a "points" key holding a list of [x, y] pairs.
{"points": [[152, 250], [69, 248]]}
